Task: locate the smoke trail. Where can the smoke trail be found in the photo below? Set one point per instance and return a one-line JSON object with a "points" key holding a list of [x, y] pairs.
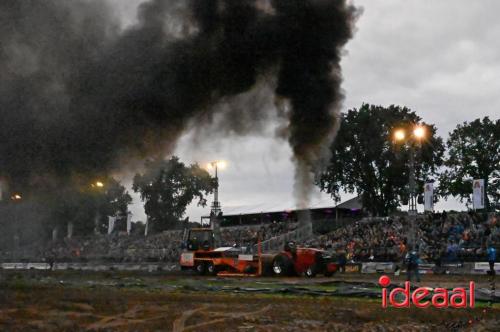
{"points": [[78, 95]]}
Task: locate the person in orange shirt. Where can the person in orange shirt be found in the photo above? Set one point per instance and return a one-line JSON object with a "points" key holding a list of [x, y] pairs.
{"points": [[402, 248]]}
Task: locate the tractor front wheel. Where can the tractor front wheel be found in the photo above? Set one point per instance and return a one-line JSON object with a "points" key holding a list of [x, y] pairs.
{"points": [[282, 265], [211, 269], [311, 271], [200, 268]]}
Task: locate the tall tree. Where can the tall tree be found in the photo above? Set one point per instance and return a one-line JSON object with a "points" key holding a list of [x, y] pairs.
{"points": [[473, 153], [82, 203], [167, 187], [112, 200], [366, 160]]}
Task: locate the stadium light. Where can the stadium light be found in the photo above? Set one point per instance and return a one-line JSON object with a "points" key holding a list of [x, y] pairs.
{"points": [[412, 141], [97, 184], [221, 164], [16, 197], [419, 132], [216, 208], [217, 164], [399, 135]]}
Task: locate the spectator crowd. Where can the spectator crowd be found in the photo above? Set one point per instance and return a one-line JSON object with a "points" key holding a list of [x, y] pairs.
{"points": [[248, 235], [441, 237], [120, 247]]}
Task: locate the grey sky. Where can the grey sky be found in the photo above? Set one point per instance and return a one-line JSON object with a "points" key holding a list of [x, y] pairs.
{"points": [[440, 58]]}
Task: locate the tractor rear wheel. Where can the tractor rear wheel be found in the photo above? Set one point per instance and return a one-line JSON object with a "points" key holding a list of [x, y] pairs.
{"points": [[200, 268], [211, 269], [311, 271], [282, 265]]}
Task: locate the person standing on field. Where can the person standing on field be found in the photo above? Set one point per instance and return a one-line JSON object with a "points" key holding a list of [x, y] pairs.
{"points": [[412, 265], [491, 252]]}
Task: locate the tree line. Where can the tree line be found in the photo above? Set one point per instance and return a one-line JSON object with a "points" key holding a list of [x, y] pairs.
{"points": [[366, 159], [167, 187]]}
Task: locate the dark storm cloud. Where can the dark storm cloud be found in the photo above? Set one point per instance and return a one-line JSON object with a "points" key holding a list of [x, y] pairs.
{"points": [[440, 58], [77, 95]]}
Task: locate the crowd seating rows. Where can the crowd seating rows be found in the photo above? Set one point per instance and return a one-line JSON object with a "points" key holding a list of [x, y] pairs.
{"points": [[442, 238], [165, 246]]}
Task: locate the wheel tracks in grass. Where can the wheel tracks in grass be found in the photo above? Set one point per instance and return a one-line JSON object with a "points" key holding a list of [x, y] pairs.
{"points": [[180, 323], [127, 318]]}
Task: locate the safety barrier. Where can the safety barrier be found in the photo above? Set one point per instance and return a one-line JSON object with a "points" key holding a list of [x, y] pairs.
{"points": [[149, 267]]}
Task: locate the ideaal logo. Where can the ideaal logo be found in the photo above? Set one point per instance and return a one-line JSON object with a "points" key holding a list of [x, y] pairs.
{"points": [[440, 297]]}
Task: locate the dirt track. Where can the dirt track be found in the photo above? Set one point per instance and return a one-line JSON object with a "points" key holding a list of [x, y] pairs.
{"points": [[128, 302]]}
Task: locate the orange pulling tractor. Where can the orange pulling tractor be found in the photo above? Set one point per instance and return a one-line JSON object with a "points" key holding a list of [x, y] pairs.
{"points": [[201, 256]]}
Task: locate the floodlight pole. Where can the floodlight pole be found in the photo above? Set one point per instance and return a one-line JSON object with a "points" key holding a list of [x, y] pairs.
{"points": [[16, 199], [216, 207], [412, 203], [412, 142]]}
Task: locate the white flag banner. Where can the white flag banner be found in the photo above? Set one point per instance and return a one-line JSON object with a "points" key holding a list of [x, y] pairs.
{"points": [[111, 224], [429, 197], [129, 222], [478, 194]]}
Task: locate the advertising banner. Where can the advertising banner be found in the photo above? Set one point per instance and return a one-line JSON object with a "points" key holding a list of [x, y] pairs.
{"points": [[429, 197], [353, 268], [111, 224], [483, 267], [129, 222], [377, 267], [478, 194]]}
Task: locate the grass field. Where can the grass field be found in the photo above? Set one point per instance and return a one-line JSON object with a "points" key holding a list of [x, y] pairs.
{"points": [[75, 301]]}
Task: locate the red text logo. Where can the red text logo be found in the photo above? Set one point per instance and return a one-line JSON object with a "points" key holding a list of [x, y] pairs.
{"points": [[439, 297]]}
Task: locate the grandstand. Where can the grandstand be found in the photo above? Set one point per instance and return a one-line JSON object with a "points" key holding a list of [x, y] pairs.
{"points": [[333, 216]]}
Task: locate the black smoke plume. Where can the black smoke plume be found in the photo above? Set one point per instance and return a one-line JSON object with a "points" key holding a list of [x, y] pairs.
{"points": [[79, 95]]}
